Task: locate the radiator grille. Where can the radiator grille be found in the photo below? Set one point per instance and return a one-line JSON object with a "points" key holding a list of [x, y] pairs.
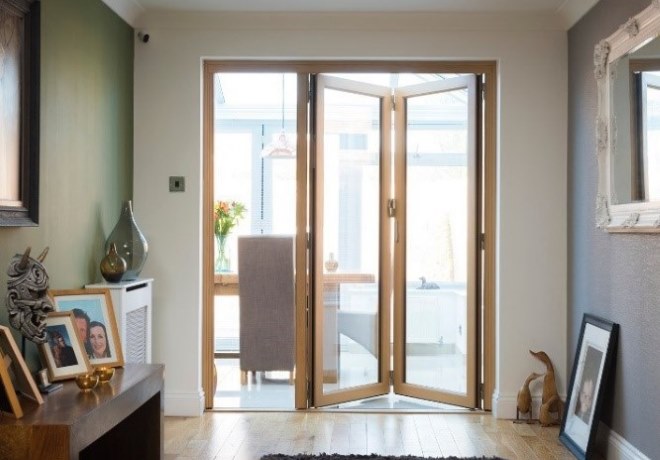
{"points": [[136, 336]]}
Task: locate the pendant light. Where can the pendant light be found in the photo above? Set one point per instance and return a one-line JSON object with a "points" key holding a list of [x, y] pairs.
{"points": [[281, 148]]}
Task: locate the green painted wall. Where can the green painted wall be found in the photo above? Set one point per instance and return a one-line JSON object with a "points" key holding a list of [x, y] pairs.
{"points": [[86, 143]]}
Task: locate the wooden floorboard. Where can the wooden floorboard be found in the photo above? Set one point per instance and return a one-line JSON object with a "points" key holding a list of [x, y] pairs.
{"points": [[249, 435]]}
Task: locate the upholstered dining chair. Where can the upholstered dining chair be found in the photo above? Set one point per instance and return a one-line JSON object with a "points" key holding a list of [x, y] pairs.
{"points": [[266, 299]]}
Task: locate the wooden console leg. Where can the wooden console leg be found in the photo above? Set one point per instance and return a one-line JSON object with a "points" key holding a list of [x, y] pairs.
{"points": [[243, 377]]}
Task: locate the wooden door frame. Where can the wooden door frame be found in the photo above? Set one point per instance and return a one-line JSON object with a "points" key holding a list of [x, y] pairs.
{"points": [[303, 362]]}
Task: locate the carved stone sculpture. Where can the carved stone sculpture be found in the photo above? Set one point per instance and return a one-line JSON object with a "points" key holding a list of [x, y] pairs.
{"points": [[27, 299], [524, 402], [550, 401]]}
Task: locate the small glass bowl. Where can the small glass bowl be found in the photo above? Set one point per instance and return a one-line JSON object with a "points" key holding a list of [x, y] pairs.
{"points": [[87, 381], [104, 373]]}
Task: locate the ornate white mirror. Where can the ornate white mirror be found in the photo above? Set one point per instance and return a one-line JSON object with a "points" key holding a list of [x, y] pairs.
{"points": [[627, 69]]}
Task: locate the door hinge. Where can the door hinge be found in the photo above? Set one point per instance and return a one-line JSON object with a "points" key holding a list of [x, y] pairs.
{"points": [[391, 207], [483, 92], [309, 95], [482, 241], [307, 310], [309, 240], [391, 377], [393, 103]]}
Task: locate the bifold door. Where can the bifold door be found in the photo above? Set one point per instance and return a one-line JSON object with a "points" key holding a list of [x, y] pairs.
{"points": [[394, 229]]}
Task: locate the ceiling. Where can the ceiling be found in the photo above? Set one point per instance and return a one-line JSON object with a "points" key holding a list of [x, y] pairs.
{"points": [[547, 6], [567, 11]]}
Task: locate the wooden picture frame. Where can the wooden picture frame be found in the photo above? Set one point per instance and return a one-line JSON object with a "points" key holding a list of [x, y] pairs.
{"points": [[591, 368], [9, 403], [23, 380], [19, 113], [93, 307], [63, 354]]}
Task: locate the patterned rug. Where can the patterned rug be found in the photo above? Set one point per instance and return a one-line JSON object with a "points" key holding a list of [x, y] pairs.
{"points": [[366, 457]]}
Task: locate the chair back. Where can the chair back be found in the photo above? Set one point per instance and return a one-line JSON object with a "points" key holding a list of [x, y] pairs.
{"points": [[266, 290]]}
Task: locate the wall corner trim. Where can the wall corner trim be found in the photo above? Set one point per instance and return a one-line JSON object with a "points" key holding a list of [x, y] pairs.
{"points": [[572, 11], [128, 10]]}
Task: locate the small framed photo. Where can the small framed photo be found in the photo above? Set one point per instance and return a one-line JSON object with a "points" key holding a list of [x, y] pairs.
{"points": [[591, 367], [63, 353], [95, 322]]}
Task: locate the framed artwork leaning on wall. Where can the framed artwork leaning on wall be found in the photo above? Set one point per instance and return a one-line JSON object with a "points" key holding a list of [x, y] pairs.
{"points": [[13, 361], [591, 371]]}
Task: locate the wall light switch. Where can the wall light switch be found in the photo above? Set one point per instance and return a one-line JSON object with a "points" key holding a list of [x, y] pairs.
{"points": [[177, 184]]}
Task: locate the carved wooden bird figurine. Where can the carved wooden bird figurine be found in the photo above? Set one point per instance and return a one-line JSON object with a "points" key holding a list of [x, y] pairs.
{"points": [[524, 403], [550, 401]]}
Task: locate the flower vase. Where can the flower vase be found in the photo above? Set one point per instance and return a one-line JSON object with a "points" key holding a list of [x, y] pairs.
{"points": [[113, 266], [222, 260], [130, 242]]}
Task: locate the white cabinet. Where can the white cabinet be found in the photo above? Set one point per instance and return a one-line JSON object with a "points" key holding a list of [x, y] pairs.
{"points": [[131, 301]]}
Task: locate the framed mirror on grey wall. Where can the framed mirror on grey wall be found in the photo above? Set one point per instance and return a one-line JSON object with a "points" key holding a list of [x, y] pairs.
{"points": [[19, 113], [627, 71]]}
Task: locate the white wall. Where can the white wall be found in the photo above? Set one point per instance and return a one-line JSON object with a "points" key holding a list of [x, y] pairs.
{"points": [[531, 56]]}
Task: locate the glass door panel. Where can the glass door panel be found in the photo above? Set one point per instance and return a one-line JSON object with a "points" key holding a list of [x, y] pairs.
{"points": [[254, 117], [435, 284], [351, 161]]}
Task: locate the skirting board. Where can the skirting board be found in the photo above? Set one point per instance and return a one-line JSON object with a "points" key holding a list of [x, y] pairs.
{"points": [[609, 442], [504, 406], [615, 447], [184, 404]]}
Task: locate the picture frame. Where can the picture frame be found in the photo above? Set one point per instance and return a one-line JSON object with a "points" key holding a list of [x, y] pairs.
{"points": [[14, 362], [591, 370], [19, 154], [63, 354], [93, 308], [9, 403]]}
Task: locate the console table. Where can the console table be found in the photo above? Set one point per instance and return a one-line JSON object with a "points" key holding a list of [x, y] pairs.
{"points": [[120, 419]]}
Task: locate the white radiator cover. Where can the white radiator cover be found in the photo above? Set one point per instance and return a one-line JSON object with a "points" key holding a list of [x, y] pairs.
{"points": [[132, 304]]}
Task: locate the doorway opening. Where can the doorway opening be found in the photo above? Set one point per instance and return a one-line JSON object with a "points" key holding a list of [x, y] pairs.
{"points": [[376, 180]]}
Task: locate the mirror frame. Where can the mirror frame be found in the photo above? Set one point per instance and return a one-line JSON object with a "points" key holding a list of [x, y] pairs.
{"points": [[628, 217], [25, 212]]}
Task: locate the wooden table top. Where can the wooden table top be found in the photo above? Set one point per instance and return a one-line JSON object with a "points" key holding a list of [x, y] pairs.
{"points": [[69, 405]]}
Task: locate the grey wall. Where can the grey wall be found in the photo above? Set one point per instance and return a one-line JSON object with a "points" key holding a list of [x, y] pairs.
{"points": [[86, 143], [616, 276]]}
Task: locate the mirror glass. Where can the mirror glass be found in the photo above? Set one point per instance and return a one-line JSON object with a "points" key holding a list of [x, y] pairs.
{"points": [[635, 126]]}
